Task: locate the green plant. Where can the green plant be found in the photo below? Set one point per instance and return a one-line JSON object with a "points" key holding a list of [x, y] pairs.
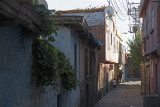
{"points": [[136, 50], [66, 72], [50, 64], [44, 63]]}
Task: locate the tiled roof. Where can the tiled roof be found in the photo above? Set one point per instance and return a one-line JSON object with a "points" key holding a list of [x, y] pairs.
{"points": [[82, 10]]}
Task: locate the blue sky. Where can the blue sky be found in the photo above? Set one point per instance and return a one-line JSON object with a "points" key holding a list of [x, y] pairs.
{"points": [[82, 4]]}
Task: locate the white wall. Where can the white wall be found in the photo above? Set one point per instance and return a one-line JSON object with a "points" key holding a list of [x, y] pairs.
{"points": [[65, 40]]}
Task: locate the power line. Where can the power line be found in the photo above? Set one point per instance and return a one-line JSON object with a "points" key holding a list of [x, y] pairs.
{"points": [[124, 6], [117, 13], [121, 18], [119, 8], [127, 4], [150, 19]]}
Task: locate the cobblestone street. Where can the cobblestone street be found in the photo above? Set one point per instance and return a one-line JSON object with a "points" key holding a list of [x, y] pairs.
{"points": [[126, 95]]}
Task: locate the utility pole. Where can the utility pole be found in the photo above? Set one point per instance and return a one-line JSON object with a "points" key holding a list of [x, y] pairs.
{"points": [[109, 2], [133, 11]]}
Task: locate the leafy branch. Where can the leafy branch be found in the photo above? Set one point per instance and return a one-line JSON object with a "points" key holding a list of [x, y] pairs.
{"points": [[50, 64], [136, 50]]}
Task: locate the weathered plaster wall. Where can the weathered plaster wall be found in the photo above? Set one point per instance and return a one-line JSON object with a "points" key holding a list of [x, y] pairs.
{"points": [[111, 39], [89, 92], [16, 89], [65, 40], [75, 94]]}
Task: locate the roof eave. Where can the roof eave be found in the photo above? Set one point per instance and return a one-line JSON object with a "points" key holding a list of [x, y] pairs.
{"points": [[78, 21], [24, 15]]}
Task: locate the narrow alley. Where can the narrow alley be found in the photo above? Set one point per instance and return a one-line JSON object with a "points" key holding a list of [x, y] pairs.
{"points": [[127, 94], [80, 53]]}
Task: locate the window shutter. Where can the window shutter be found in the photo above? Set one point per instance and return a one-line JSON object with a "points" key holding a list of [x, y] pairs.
{"points": [[149, 21], [108, 41], [144, 25], [152, 14], [147, 25], [151, 25]]}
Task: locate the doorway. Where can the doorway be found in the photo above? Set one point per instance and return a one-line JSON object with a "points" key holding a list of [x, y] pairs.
{"points": [[156, 78]]}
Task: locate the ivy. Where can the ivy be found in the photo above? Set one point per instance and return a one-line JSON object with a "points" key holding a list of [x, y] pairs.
{"points": [[44, 63], [50, 66], [66, 72]]}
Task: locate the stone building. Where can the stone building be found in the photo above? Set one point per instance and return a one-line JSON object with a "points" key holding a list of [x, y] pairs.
{"points": [[80, 47]]}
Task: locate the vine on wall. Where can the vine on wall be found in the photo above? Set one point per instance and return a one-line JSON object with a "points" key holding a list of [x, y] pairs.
{"points": [[50, 64]]}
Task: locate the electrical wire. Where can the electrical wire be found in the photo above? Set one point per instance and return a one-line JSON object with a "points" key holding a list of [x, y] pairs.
{"points": [[117, 13], [150, 19], [127, 4], [124, 6], [119, 8]]}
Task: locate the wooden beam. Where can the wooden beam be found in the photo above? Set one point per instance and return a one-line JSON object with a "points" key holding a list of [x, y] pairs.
{"points": [[21, 18], [65, 22], [9, 22], [8, 11], [29, 12], [25, 1], [29, 34]]}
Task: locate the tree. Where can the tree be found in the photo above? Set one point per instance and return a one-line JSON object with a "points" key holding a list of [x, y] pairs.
{"points": [[135, 46]]}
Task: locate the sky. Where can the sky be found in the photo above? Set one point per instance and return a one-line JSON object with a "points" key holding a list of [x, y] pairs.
{"points": [[119, 5]]}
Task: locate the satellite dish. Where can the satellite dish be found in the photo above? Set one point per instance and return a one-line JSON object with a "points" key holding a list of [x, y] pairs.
{"points": [[109, 10]]}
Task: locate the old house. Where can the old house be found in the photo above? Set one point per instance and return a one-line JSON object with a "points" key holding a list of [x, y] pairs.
{"points": [[102, 23], [149, 12], [19, 24], [118, 50], [80, 47]]}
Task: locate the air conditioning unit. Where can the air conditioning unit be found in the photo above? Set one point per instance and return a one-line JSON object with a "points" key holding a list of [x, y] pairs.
{"points": [[150, 30], [135, 28], [146, 36], [143, 39]]}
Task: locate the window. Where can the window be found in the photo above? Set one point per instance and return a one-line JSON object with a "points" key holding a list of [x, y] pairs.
{"points": [[114, 43], [108, 41], [75, 56], [151, 20], [111, 38], [86, 62], [113, 27], [90, 63], [144, 44], [146, 26], [117, 46], [94, 62], [151, 68], [59, 100], [156, 78]]}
